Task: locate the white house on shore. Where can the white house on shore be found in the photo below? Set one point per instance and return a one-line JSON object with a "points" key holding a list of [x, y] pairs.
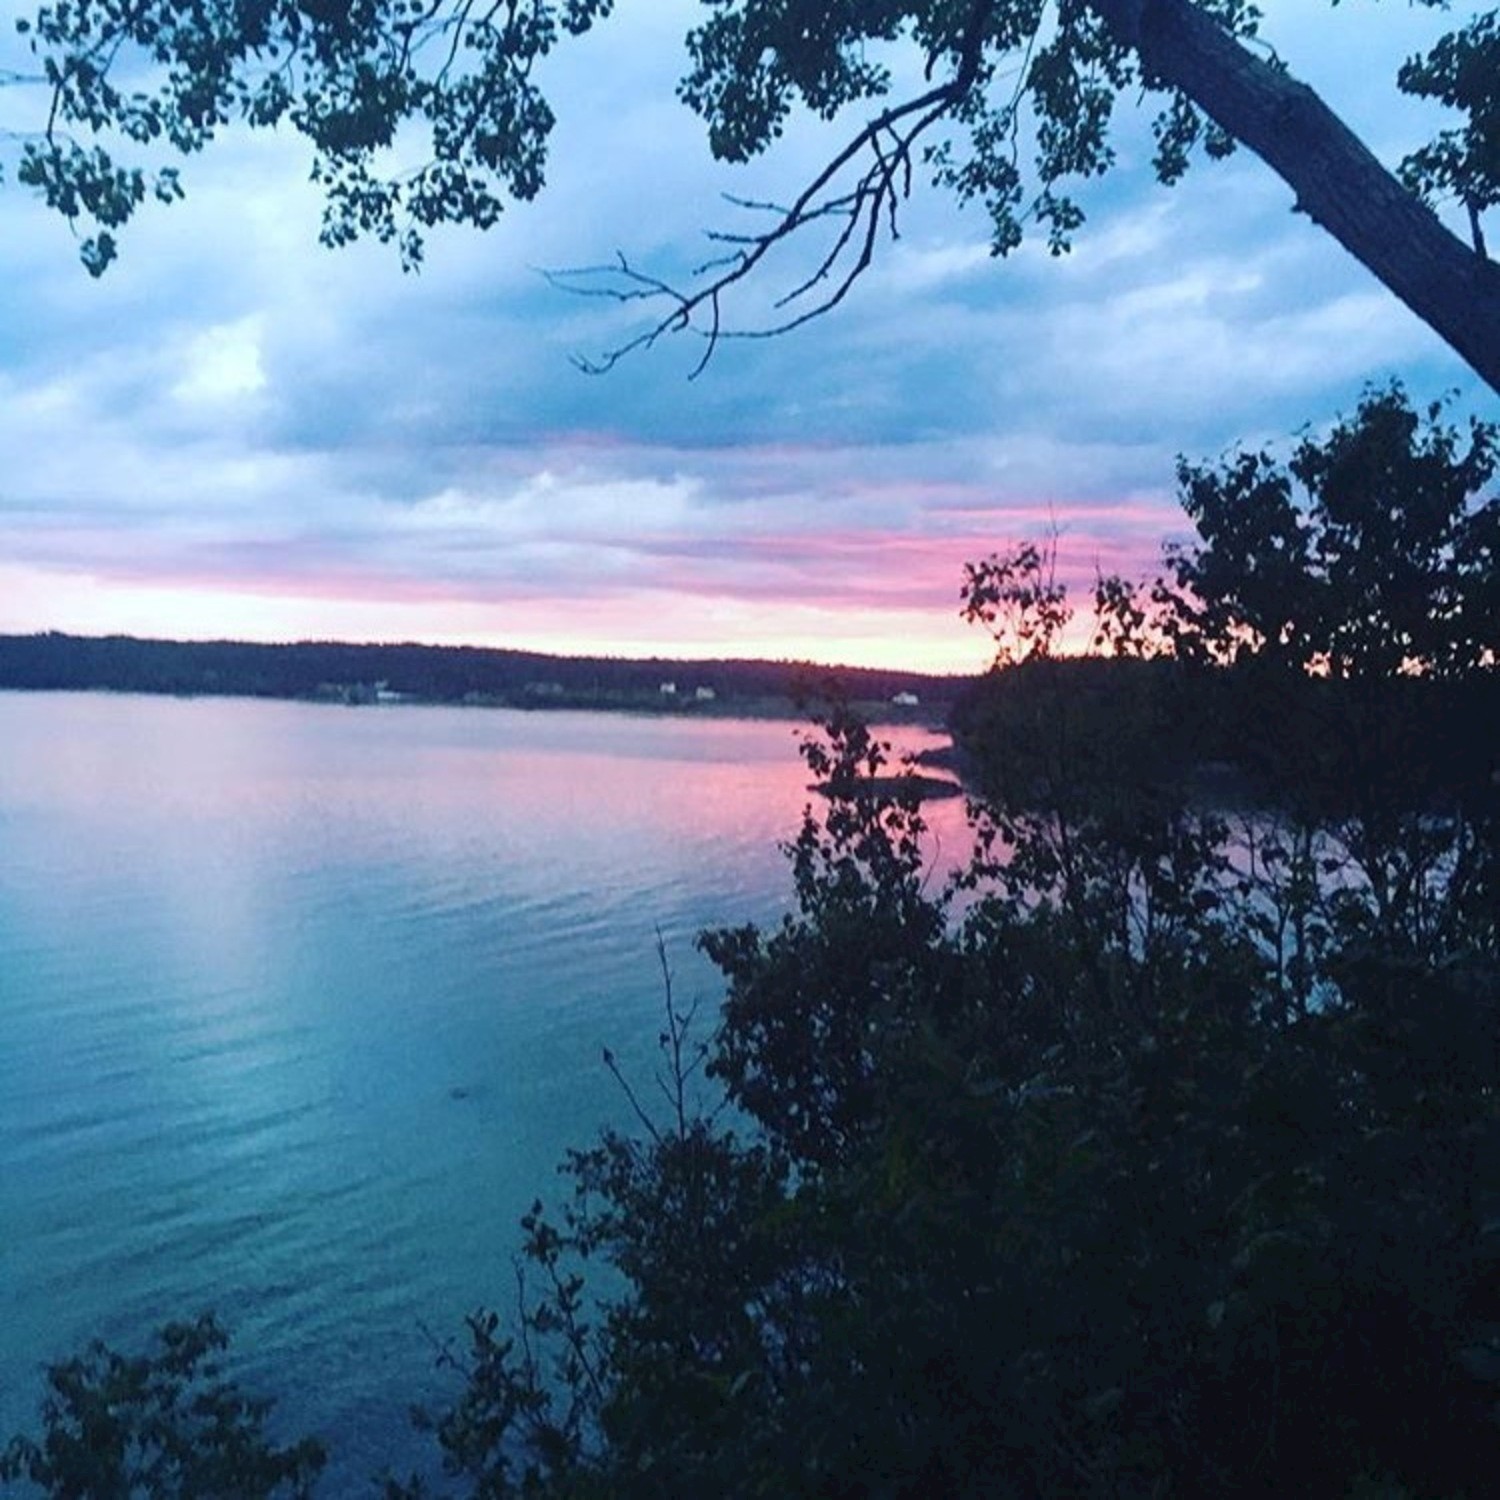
{"points": [[906, 700]]}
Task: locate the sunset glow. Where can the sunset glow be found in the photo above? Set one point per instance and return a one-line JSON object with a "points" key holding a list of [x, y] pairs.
{"points": [[235, 433]]}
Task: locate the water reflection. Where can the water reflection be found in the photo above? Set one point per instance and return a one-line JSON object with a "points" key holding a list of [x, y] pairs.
{"points": [[299, 1006]]}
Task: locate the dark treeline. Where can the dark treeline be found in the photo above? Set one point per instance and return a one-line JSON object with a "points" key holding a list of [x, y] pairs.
{"points": [[1234, 734], [435, 674]]}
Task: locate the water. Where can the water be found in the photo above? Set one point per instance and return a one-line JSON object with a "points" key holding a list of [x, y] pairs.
{"points": [[300, 1006]]}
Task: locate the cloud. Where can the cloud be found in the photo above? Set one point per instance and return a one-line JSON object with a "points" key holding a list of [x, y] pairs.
{"points": [[222, 363], [238, 432]]}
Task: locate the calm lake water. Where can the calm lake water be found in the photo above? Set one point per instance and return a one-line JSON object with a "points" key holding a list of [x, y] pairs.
{"points": [[300, 1006]]}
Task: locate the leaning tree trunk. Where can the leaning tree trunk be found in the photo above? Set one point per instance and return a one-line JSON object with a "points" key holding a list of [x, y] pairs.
{"points": [[1339, 184]]}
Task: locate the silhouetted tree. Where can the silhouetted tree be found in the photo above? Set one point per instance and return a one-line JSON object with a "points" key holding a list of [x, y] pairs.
{"points": [[159, 1426]]}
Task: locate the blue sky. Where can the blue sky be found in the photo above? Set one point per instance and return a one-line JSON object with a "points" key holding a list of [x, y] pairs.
{"points": [[238, 433]]}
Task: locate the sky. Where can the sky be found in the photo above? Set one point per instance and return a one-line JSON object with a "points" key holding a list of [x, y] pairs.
{"points": [[238, 433]]}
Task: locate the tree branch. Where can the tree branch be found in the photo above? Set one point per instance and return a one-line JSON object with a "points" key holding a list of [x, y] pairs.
{"points": [[872, 200], [1338, 182], [888, 139]]}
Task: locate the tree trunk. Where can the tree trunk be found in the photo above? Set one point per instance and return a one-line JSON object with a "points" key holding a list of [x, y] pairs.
{"points": [[1339, 184]]}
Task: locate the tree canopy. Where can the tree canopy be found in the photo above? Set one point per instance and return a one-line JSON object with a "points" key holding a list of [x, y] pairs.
{"points": [[1367, 554], [422, 112]]}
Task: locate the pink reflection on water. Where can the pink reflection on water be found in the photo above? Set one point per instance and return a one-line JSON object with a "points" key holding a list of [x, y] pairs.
{"points": [[466, 796]]}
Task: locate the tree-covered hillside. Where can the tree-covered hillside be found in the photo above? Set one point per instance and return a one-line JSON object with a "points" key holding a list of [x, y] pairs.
{"points": [[436, 674]]}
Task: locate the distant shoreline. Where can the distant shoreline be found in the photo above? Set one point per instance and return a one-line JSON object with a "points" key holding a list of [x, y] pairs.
{"points": [[363, 675], [874, 712]]}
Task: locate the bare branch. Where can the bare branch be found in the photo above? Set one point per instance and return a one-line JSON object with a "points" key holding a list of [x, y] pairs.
{"points": [[640, 1112], [872, 202]]}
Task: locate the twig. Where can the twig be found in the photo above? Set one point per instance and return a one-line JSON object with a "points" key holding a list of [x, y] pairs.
{"points": [[871, 203]]}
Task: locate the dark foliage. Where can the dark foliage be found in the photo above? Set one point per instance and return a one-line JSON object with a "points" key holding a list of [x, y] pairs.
{"points": [[159, 1426], [1158, 1152]]}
